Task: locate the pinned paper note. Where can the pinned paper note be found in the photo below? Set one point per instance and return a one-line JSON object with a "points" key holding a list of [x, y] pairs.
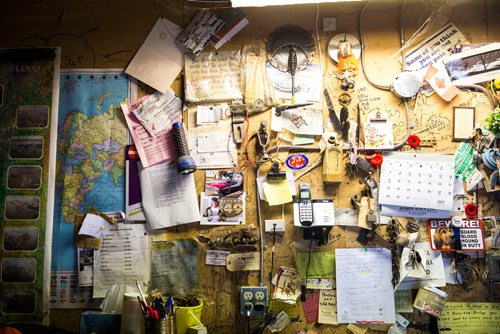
{"points": [[321, 264], [327, 311], [277, 192], [243, 261], [469, 318], [94, 226]]}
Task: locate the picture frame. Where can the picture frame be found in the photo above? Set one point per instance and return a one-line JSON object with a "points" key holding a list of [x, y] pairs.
{"points": [[463, 123]]}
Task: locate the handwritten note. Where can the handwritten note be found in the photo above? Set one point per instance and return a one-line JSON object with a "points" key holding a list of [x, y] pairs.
{"points": [[213, 77], [327, 312], [470, 318], [174, 266], [364, 289]]}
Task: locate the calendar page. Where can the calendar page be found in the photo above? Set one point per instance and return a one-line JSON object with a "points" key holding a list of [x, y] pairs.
{"points": [[417, 180]]}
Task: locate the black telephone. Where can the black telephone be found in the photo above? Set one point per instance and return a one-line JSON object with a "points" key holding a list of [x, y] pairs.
{"points": [[305, 205]]}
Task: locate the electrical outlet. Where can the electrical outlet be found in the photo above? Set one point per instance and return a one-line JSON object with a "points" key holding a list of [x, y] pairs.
{"points": [[253, 300], [279, 224], [329, 24]]}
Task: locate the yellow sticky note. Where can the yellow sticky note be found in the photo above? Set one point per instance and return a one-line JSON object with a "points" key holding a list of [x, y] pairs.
{"points": [[277, 192]]}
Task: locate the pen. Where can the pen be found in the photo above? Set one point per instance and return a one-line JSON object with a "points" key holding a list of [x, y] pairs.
{"points": [[140, 292], [143, 307]]}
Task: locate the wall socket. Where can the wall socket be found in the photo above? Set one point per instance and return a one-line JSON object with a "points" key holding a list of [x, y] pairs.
{"points": [[329, 24], [253, 301], [280, 225]]}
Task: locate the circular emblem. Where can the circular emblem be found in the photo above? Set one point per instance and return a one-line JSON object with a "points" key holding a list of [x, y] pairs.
{"points": [[297, 161], [132, 153]]}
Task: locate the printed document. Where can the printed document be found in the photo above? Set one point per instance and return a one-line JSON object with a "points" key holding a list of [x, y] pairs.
{"points": [[123, 258], [169, 198]]}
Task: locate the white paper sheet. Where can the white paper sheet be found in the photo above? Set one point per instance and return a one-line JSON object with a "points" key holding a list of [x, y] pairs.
{"points": [[364, 289], [435, 275], [307, 83], [123, 258], [158, 61], [406, 211], [169, 198]]}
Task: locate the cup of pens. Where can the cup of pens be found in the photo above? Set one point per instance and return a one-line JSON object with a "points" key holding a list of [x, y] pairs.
{"points": [[159, 317]]}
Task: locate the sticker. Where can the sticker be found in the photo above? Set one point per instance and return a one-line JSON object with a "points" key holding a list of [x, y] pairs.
{"points": [[20, 238], [132, 153], [32, 116], [28, 147], [297, 161], [451, 235]]}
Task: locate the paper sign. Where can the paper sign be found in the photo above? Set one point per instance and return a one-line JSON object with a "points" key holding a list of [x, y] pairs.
{"points": [[277, 192], [243, 262], [470, 318], [448, 235], [327, 311], [216, 257], [310, 306]]}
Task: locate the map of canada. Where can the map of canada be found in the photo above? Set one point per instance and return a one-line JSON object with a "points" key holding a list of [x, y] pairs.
{"points": [[92, 134]]}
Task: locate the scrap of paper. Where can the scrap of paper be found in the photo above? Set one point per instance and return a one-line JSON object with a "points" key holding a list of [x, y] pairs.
{"points": [[94, 226], [311, 305], [321, 264], [287, 285], [243, 261], [158, 61], [327, 311], [440, 81], [277, 192]]}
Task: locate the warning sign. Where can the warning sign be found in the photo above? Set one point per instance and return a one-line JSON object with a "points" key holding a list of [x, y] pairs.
{"points": [[456, 234]]}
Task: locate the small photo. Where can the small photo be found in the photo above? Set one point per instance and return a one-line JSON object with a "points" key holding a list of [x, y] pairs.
{"points": [[32, 117], [19, 270], [22, 207], [18, 301], [223, 182], [20, 238], [28, 147], [24, 177], [223, 210]]}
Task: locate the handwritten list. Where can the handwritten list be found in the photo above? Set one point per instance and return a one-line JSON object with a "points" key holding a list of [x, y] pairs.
{"points": [[364, 289], [469, 318]]}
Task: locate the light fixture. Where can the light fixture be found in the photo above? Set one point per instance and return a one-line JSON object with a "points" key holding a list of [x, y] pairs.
{"points": [[263, 3]]}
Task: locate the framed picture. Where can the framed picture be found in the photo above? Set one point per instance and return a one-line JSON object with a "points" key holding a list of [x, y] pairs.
{"points": [[463, 123]]}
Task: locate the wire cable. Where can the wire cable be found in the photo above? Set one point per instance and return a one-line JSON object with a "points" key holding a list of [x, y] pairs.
{"points": [[482, 89], [362, 55], [261, 234]]}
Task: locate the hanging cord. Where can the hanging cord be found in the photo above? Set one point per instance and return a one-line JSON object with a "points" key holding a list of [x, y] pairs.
{"points": [[272, 256], [304, 287], [261, 234], [269, 319]]}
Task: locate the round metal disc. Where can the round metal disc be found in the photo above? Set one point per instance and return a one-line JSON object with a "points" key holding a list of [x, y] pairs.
{"points": [[333, 51], [406, 85]]}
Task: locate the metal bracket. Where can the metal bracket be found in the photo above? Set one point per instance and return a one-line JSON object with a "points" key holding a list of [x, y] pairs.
{"points": [[238, 119]]}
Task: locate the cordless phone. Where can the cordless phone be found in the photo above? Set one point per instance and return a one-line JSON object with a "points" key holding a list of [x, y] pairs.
{"points": [[305, 205]]}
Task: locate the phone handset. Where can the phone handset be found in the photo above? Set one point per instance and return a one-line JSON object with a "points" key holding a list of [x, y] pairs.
{"points": [[305, 205]]}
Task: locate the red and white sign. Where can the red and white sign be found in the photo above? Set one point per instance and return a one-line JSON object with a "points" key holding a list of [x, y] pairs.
{"points": [[453, 234]]}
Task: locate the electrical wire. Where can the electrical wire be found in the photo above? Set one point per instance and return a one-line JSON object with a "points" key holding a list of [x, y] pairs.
{"points": [[304, 287], [482, 89], [261, 232], [272, 255], [362, 55], [269, 319]]}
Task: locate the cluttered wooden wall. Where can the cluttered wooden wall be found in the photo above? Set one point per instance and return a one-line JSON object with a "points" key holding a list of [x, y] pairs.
{"points": [[95, 34]]}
